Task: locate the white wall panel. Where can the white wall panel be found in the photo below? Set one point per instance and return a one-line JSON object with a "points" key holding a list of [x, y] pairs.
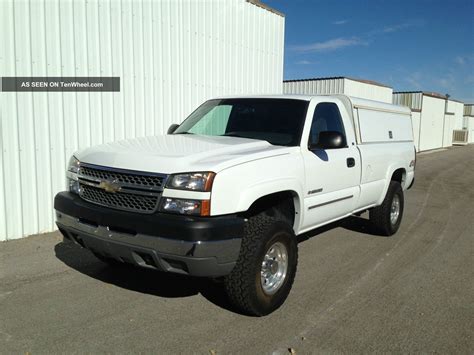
{"points": [[457, 108], [431, 123], [448, 127], [415, 123], [340, 85], [368, 91], [433, 118], [170, 56], [469, 124]]}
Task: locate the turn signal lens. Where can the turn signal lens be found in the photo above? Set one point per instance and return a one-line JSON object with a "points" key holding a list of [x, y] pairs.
{"points": [[184, 206]]}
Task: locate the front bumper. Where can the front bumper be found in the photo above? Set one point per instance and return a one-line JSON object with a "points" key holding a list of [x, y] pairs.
{"points": [[187, 245]]}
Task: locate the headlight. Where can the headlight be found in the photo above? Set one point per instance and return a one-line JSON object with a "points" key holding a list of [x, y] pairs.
{"points": [[73, 165], [71, 175], [201, 181], [185, 206]]}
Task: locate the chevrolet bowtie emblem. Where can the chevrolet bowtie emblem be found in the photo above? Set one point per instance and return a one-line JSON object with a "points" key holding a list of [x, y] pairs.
{"points": [[110, 186]]}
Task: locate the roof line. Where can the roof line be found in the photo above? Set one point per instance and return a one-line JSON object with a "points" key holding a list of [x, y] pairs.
{"points": [[266, 7], [428, 93], [371, 82]]}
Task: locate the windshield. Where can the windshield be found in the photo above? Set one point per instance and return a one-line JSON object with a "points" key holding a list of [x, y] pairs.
{"points": [[277, 121]]}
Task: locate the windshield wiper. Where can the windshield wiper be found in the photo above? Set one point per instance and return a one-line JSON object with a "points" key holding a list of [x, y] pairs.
{"points": [[233, 134], [183, 133]]}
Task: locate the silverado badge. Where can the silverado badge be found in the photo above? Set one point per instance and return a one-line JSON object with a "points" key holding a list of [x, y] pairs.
{"points": [[110, 186]]}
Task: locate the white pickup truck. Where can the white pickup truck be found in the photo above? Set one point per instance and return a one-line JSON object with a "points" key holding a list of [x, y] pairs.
{"points": [[224, 194]]}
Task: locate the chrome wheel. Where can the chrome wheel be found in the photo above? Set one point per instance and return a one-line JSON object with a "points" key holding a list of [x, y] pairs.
{"points": [[274, 268], [395, 210]]}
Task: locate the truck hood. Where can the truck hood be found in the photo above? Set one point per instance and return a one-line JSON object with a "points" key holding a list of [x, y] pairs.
{"points": [[179, 153]]}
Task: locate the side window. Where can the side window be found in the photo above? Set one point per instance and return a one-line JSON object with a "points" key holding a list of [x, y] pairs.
{"points": [[326, 118]]}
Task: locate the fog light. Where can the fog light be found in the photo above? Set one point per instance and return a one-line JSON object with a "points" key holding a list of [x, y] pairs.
{"points": [[74, 186]]}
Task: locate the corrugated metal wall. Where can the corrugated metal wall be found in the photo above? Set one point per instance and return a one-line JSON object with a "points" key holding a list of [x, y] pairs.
{"points": [[469, 110], [314, 87], [330, 86], [170, 56], [412, 100]]}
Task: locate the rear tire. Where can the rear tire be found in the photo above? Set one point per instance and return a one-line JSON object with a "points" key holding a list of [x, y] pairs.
{"points": [[387, 217], [265, 270]]}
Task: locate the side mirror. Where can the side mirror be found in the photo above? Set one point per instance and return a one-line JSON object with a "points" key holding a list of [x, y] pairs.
{"points": [[172, 128], [329, 140]]}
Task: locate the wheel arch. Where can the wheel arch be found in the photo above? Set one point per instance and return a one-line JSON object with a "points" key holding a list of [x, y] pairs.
{"points": [[395, 173], [286, 203]]}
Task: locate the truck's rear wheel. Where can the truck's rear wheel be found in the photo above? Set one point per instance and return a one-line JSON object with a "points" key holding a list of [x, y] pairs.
{"points": [[262, 278], [387, 217]]}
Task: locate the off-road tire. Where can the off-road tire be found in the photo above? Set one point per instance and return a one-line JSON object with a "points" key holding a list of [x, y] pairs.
{"points": [[380, 215], [243, 285]]}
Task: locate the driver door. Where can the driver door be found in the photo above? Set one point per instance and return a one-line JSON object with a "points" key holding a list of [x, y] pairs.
{"points": [[332, 176]]}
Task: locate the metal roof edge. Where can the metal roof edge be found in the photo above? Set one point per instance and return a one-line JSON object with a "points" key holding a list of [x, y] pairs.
{"points": [[364, 81], [428, 93], [266, 7]]}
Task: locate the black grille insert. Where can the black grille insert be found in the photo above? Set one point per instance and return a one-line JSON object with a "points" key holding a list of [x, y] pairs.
{"points": [[120, 200]]}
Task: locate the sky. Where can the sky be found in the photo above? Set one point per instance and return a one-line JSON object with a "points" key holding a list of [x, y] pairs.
{"points": [[418, 45]]}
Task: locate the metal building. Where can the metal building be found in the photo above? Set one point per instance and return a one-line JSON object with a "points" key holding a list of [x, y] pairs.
{"points": [[457, 109], [170, 57], [365, 89], [433, 118], [468, 121]]}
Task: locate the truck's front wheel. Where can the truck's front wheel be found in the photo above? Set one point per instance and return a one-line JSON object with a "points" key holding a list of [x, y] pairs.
{"points": [[262, 278]]}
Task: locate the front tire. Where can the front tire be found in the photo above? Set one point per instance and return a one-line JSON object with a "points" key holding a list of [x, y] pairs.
{"points": [[387, 217], [265, 270]]}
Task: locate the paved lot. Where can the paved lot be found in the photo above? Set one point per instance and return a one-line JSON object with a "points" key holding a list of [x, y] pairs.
{"points": [[354, 292]]}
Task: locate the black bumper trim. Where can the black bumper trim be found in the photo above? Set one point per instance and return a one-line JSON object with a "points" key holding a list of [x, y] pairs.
{"points": [[145, 254], [162, 225]]}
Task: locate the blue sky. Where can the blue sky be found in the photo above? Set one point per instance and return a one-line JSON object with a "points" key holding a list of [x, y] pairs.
{"points": [[410, 45]]}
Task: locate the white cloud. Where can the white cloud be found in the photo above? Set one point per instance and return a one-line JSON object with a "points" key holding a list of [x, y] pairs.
{"points": [[414, 80], [304, 62], [460, 60], [447, 82], [345, 42], [398, 27], [330, 45]]}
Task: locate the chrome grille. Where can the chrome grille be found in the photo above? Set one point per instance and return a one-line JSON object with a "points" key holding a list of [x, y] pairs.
{"points": [[120, 200], [135, 191]]}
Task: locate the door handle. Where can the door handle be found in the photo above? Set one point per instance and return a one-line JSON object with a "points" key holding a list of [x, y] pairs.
{"points": [[351, 162]]}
